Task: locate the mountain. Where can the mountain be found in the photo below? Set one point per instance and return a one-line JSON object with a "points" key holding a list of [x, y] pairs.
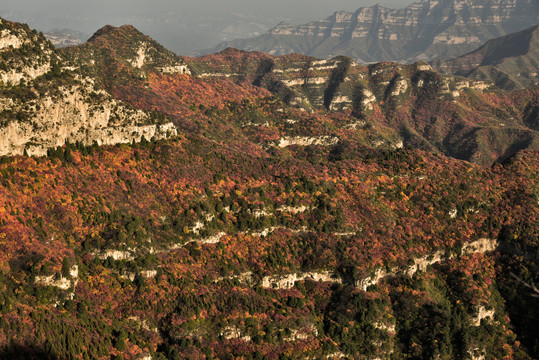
{"points": [[65, 37], [291, 217], [123, 49], [408, 105], [424, 30], [510, 62], [44, 104], [138, 70]]}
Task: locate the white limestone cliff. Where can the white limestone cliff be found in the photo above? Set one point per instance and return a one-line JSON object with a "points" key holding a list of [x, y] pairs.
{"points": [[71, 116]]}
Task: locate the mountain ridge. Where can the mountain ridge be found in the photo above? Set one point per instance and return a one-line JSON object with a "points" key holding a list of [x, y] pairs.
{"points": [[422, 31], [418, 106]]}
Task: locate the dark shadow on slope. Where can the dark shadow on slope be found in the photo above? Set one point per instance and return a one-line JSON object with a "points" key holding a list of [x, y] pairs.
{"points": [[516, 146], [337, 78], [521, 304], [26, 352]]}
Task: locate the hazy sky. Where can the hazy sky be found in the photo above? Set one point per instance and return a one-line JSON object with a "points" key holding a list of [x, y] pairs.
{"points": [[183, 26], [283, 7]]}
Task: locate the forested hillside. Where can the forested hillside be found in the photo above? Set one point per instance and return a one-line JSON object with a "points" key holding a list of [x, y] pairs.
{"points": [[304, 208]]}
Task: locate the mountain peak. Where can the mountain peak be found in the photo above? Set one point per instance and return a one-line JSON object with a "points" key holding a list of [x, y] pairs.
{"points": [[108, 30], [124, 48]]}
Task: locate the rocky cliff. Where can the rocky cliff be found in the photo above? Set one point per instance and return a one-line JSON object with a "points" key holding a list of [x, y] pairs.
{"points": [[424, 30], [75, 114], [25, 54]]}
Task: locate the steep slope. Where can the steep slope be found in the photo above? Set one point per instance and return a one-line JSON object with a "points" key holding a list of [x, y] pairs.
{"points": [[137, 69], [511, 62], [186, 249], [43, 104], [422, 31]]}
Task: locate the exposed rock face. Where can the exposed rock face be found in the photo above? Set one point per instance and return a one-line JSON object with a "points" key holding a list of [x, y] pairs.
{"points": [[288, 281], [234, 332], [72, 116], [294, 209], [383, 326], [9, 39], [367, 99], [62, 283], [302, 334], [148, 273], [482, 314], [306, 141], [175, 69], [424, 30], [25, 54], [116, 255]]}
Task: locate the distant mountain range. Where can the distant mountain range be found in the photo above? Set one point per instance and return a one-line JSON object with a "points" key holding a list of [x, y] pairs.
{"points": [[407, 105], [66, 37], [424, 30], [510, 62]]}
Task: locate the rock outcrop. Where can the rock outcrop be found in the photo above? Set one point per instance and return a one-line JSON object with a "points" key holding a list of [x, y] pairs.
{"points": [[288, 281], [71, 116], [482, 314], [306, 141], [63, 283]]}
